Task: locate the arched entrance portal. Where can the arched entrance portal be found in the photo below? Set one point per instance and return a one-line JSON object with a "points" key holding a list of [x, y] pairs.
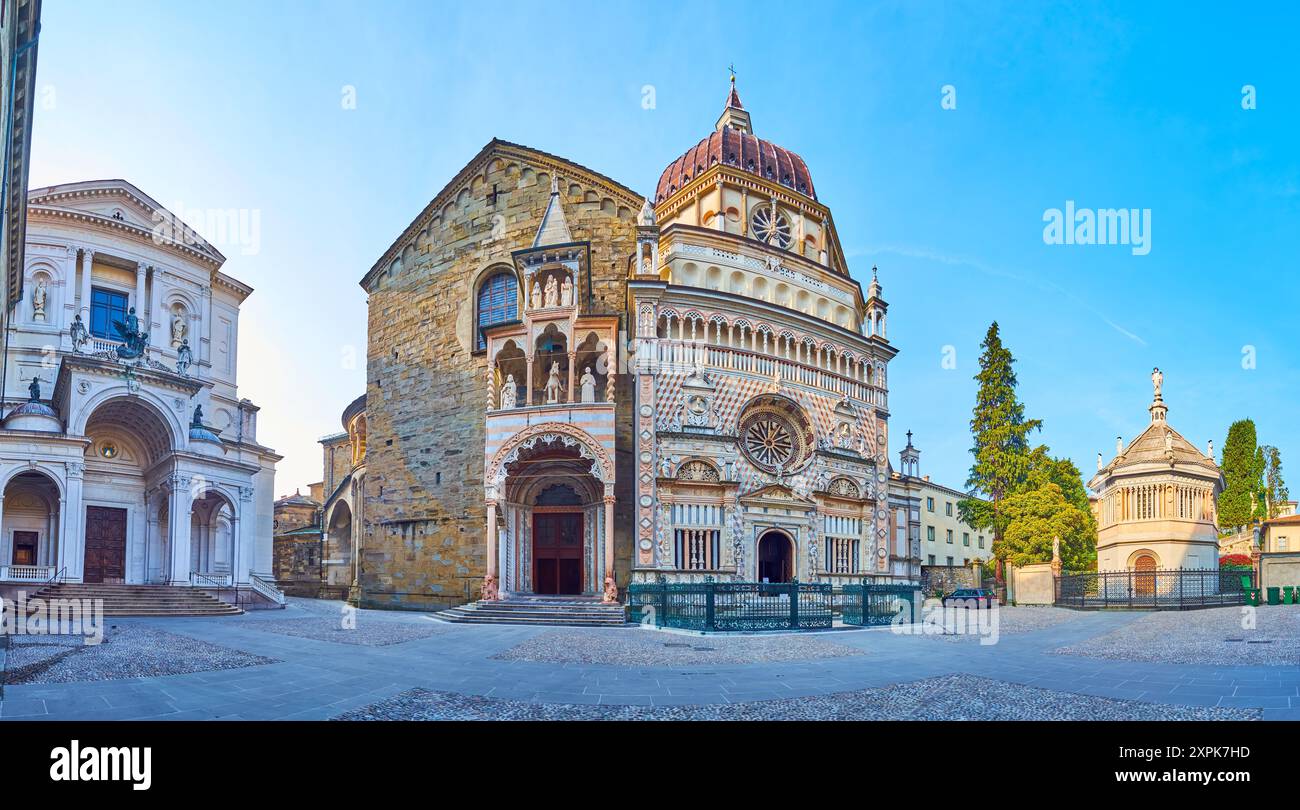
{"points": [[31, 525], [338, 546], [1144, 580], [558, 547], [775, 557]]}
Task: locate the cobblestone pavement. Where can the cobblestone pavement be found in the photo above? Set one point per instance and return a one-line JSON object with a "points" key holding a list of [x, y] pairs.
{"points": [[126, 651], [366, 631], [1226, 636], [308, 675], [635, 647], [948, 697]]}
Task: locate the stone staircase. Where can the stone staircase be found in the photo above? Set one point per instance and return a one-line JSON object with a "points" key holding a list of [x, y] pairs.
{"points": [[143, 600], [561, 611]]}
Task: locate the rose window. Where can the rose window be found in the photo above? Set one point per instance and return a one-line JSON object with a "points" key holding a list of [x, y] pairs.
{"points": [[774, 435], [773, 230]]}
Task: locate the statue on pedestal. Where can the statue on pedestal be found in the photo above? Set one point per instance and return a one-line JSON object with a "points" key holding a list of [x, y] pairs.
{"points": [[588, 386], [184, 357], [535, 298], [553, 385], [38, 301], [78, 333], [566, 293], [1157, 381], [508, 392], [34, 390]]}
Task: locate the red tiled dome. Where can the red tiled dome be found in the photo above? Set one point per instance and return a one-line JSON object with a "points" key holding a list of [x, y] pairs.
{"points": [[742, 151]]}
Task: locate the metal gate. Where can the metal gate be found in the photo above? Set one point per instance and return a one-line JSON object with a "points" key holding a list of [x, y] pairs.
{"points": [[877, 605]]}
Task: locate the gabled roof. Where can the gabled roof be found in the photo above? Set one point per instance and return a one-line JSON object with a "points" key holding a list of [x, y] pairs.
{"points": [[118, 203], [554, 229]]}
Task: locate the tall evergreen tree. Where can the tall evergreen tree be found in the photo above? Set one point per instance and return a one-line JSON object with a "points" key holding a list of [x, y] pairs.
{"points": [[1275, 491], [1243, 472], [1001, 432]]}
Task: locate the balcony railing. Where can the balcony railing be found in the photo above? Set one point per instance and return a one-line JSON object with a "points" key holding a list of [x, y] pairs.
{"points": [[26, 573], [689, 354]]}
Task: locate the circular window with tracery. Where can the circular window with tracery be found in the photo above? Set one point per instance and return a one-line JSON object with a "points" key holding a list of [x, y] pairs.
{"points": [[773, 230], [774, 434]]}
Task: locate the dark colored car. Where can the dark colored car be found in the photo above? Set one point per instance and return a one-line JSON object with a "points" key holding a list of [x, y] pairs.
{"points": [[970, 598]]}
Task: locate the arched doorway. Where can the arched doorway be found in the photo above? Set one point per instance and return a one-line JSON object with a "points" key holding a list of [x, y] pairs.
{"points": [[212, 548], [1144, 579], [775, 557], [30, 532]]}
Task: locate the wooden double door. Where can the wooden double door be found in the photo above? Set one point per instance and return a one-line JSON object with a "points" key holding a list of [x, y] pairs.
{"points": [[105, 545], [557, 552]]}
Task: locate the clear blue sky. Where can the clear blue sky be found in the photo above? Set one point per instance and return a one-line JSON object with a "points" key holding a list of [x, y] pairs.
{"points": [[1135, 105]]}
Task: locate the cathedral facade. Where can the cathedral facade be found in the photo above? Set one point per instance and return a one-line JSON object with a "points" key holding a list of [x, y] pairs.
{"points": [[127, 455], [571, 387]]}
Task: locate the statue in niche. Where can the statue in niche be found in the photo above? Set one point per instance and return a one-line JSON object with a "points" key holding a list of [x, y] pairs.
{"points": [[184, 357], [588, 386], [553, 385], [552, 292], [508, 392], [78, 333], [38, 301], [179, 328], [566, 293], [535, 299]]}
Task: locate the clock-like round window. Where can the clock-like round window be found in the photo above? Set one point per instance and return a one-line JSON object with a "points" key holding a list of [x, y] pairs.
{"points": [[770, 229], [774, 434]]}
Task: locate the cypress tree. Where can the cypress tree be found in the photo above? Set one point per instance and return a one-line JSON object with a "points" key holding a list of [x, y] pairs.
{"points": [[1243, 471], [1001, 432]]}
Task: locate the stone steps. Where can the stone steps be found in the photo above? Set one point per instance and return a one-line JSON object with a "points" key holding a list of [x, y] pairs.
{"points": [[540, 611], [144, 600]]}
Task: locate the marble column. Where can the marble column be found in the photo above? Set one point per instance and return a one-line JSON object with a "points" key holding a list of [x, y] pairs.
{"points": [[179, 515], [611, 580], [573, 361], [490, 548], [71, 550], [83, 306], [141, 270], [6, 554]]}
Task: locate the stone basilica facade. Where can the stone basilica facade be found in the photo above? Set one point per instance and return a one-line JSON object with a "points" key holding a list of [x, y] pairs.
{"points": [[571, 388]]}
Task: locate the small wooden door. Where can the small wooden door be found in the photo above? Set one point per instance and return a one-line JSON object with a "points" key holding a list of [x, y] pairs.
{"points": [[105, 544], [1144, 582], [25, 548], [557, 552]]}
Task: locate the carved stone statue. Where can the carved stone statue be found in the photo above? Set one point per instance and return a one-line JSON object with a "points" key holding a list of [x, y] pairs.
{"points": [[184, 357], [611, 588], [179, 328], [1157, 381], [78, 333], [588, 386], [1056, 549], [535, 298], [38, 301], [553, 385], [34, 390], [552, 292], [197, 421], [1169, 441], [566, 293], [647, 215], [508, 392]]}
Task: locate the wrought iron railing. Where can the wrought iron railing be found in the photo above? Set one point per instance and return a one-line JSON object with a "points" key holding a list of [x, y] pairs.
{"points": [[1157, 589], [875, 605], [731, 606]]}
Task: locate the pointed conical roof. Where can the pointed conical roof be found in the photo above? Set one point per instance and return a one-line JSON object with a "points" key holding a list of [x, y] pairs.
{"points": [[554, 229]]}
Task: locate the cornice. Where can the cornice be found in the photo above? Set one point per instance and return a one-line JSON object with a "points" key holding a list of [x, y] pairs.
{"points": [[117, 227]]}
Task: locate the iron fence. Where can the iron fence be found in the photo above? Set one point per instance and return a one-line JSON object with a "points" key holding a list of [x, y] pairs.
{"points": [[874, 605], [1157, 589], [732, 606]]}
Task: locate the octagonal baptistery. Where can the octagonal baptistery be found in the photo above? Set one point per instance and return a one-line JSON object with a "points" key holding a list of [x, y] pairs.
{"points": [[761, 393]]}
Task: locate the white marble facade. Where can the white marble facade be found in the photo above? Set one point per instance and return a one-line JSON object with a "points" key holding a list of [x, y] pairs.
{"points": [[96, 446]]}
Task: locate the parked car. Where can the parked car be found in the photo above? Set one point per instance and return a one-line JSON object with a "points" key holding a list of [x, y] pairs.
{"points": [[970, 598]]}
